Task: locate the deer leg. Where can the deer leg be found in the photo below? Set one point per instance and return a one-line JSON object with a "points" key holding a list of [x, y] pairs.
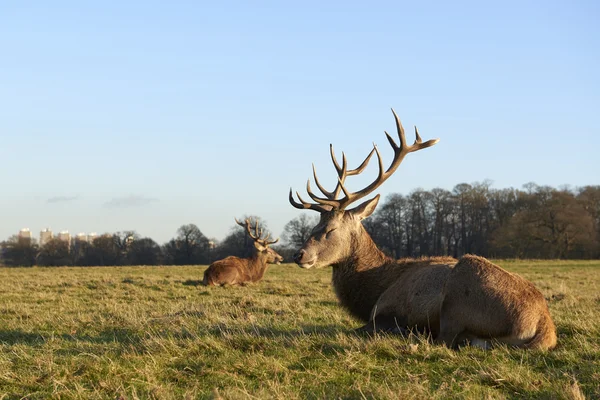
{"points": [[454, 334], [384, 324], [449, 337], [451, 331]]}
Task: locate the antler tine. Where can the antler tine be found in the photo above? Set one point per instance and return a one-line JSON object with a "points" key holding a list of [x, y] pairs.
{"points": [[343, 172], [260, 231], [248, 226], [417, 145], [239, 223], [303, 205], [266, 242], [335, 163], [257, 232], [320, 200], [329, 201], [327, 193], [362, 166]]}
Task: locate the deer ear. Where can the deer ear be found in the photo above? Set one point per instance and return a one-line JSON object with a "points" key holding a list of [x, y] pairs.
{"points": [[365, 209], [259, 246]]}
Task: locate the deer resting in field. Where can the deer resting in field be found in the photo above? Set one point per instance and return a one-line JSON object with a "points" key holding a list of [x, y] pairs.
{"points": [[235, 270], [469, 301]]}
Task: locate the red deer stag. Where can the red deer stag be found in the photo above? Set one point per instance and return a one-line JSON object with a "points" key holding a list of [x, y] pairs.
{"points": [[471, 301], [235, 271]]}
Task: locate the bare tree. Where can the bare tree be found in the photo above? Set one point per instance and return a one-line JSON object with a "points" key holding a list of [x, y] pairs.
{"points": [[387, 226], [144, 251], [589, 197], [17, 251], [54, 253], [297, 230], [190, 247], [104, 251], [441, 208]]}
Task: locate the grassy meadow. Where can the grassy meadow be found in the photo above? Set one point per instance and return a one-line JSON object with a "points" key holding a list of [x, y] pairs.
{"points": [[154, 332]]}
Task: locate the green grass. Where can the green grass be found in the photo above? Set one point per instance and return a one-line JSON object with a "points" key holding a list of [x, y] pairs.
{"points": [[153, 332]]}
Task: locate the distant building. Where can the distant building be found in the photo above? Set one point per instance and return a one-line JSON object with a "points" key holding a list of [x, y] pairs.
{"points": [[91, 236], [65, 236], [82, 237], [45, 236], [24, 236], [25, 233]]}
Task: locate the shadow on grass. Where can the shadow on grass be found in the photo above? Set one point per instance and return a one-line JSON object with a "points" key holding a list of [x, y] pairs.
{"points": [[265, 331], [15, 336], [192, 282], [110, 335]]}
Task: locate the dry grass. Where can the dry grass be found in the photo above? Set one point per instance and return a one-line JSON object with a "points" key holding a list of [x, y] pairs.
{"points": [[152, 332]]}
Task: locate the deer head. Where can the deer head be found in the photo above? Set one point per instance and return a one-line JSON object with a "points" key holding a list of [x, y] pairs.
{"points": [[339, 231], [261, 244]]}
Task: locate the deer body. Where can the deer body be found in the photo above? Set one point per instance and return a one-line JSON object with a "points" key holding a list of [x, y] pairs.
{"points": [[234, 270], [395, 295], [237, 271], [467, 301], [472, 300]]}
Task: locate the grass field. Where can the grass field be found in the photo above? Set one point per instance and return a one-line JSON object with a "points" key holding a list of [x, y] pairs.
{"points": [[153, 332]]}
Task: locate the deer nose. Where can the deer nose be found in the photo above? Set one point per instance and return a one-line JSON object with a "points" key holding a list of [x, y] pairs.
{"points": [[298, 256]]}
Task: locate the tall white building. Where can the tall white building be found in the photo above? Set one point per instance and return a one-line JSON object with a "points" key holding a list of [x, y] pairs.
{"points": [[45, 236], [65, 236], [91, 236], [25, 233]]}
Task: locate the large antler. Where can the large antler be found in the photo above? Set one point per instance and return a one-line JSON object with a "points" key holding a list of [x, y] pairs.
{"points": [[257, 232], [330, 201]]}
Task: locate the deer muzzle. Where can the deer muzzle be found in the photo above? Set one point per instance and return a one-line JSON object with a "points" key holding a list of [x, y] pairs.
{"points": [[301, 258]]}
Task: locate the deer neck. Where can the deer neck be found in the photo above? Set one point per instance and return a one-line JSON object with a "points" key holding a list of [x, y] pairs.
{"points": [[257, 266], [363, 276]]}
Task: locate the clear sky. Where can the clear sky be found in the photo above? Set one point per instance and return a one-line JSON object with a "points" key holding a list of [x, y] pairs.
{"points": [[147, 115]]}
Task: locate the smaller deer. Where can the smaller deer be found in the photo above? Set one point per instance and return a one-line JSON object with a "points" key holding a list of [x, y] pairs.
{"points": [[237, 271]]}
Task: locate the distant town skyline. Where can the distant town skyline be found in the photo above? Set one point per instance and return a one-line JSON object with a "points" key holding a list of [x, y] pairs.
{"points": [[46, 234]]}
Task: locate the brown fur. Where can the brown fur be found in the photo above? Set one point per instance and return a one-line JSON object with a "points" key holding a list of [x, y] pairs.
{"points": [[236, 271], [458, 302], [482, 300]]}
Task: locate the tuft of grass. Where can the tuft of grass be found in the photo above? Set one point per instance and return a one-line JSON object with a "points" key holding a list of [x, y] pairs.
{"points": [[155, 333]]}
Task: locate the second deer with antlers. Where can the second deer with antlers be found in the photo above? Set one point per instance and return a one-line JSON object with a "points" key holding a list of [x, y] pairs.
{"points": [[471, 301], [235, 270]]}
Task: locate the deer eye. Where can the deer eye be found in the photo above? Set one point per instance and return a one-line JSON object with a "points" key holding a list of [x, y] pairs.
{"points": [[329, 232]]}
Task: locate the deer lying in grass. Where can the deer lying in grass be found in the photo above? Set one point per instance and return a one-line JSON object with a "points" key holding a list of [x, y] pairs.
{"points": [[471, 301], [235, 270]]}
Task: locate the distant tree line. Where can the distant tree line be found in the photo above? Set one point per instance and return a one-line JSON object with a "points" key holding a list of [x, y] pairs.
{"points": [[535, 222], [189, 247]]}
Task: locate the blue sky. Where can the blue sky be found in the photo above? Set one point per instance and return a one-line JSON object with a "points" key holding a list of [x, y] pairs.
{"points": [[149, 115]]}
